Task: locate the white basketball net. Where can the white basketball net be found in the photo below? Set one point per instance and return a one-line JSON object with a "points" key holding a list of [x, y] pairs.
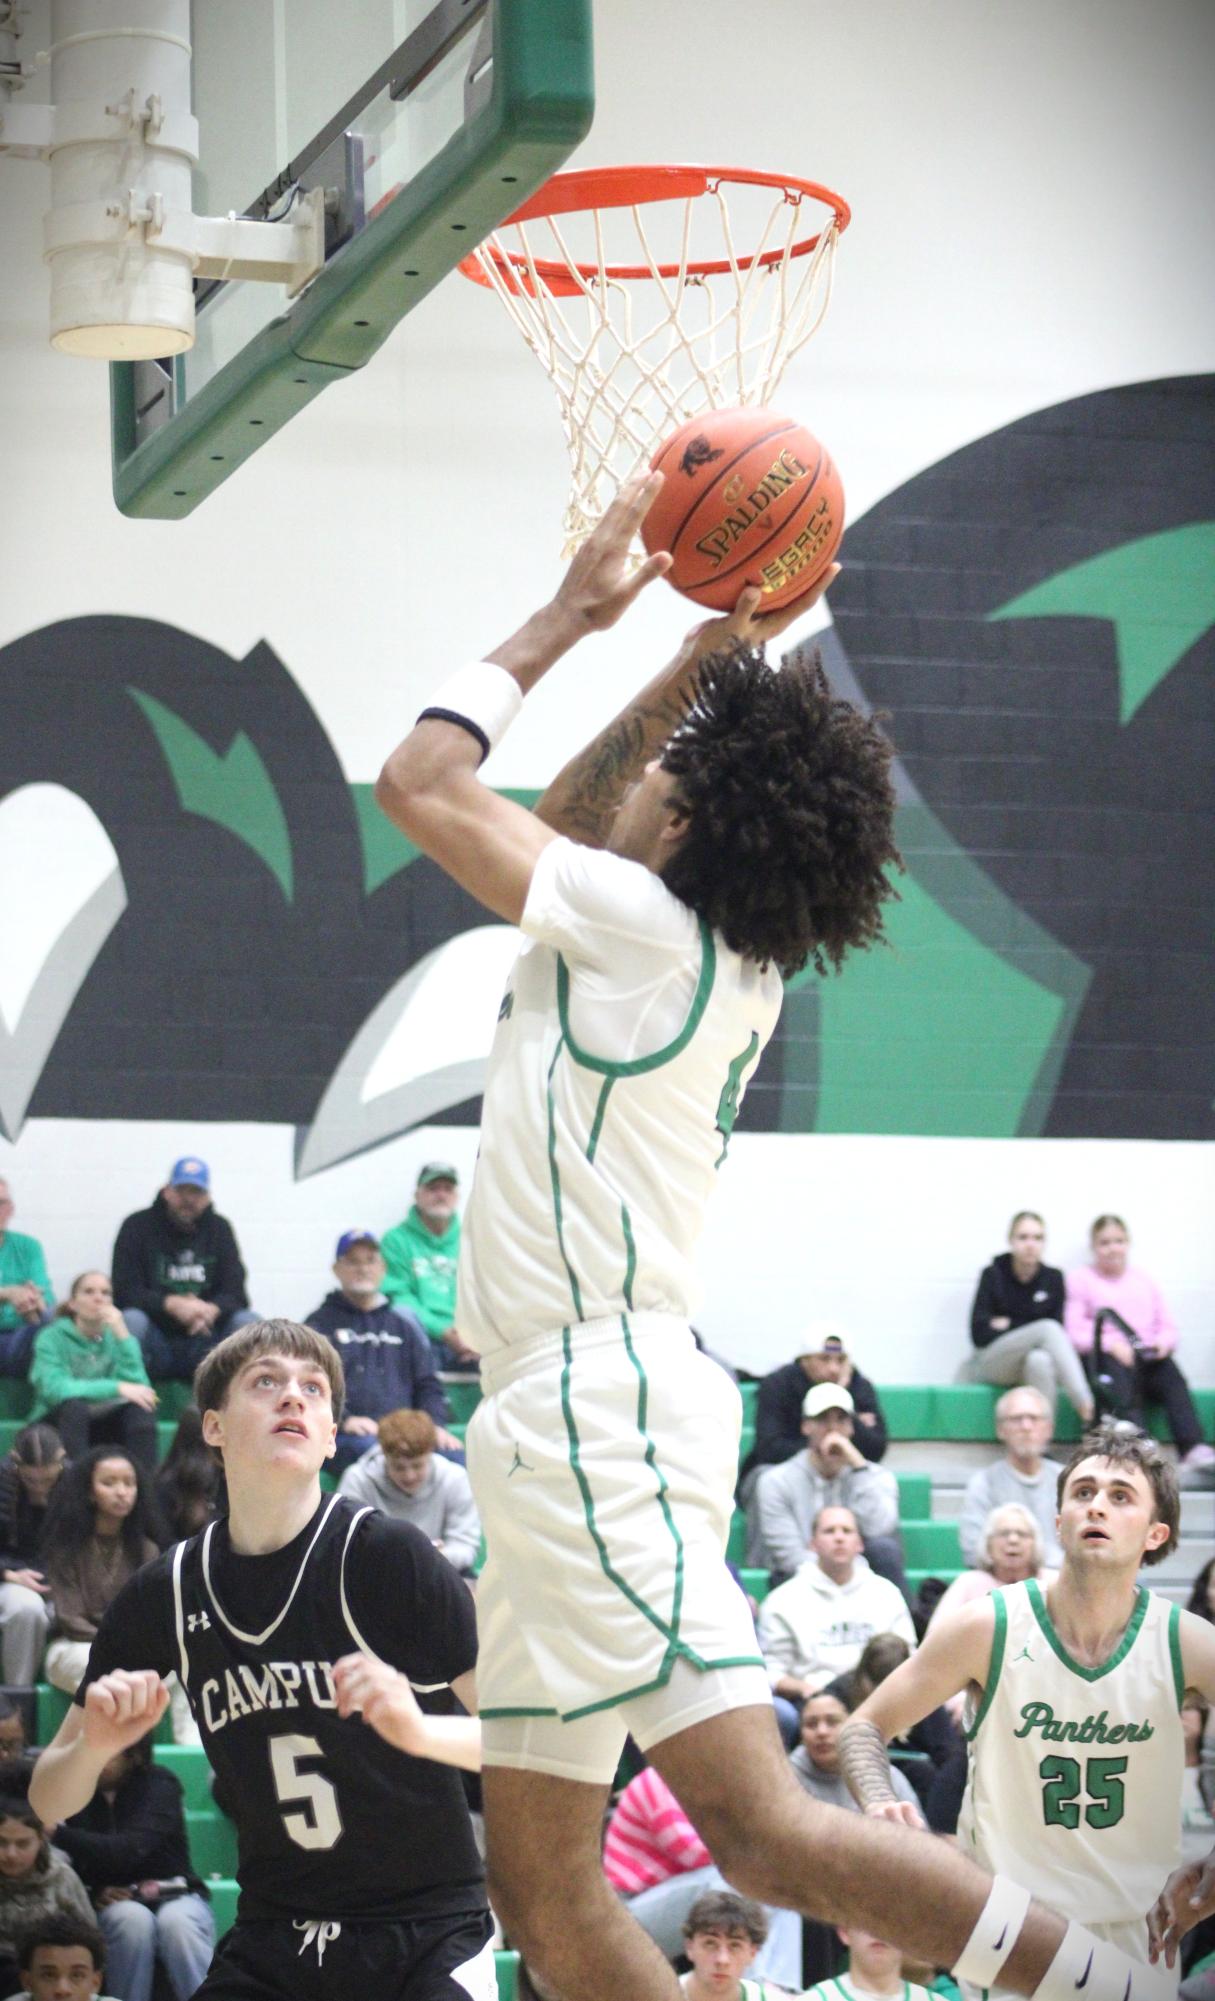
{"points": [[634, 358]]}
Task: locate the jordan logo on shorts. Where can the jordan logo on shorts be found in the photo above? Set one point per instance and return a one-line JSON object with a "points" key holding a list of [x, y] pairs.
{"points": [[519, 1464]]}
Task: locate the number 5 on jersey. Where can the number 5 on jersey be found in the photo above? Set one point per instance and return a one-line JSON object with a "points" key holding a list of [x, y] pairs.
{"points": [[318, 1822]]}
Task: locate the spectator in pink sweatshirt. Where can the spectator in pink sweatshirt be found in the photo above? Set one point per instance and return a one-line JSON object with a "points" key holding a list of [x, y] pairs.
{"points": [[1136, 1365]]}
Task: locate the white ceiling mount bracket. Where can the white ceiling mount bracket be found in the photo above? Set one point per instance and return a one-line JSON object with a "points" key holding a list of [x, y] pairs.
{"points": [[121, 238]]}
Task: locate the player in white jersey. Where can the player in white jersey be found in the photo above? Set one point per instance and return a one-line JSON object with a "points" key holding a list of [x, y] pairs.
{"points": [[734, 823], [1074, 1701]]}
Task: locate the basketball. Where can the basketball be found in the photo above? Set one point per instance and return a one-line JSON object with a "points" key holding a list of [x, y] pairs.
{"points": [[750, 498]]}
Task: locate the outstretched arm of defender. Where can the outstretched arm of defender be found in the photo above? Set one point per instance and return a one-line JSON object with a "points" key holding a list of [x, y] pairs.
{"points": [[429, 787], [118, 1710], [955, 1653], [388, 1705]]}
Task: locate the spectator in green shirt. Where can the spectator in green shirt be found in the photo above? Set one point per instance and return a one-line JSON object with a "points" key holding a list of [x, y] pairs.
{"points": [[26, 1297], [421, 1255], [89, 1377]]}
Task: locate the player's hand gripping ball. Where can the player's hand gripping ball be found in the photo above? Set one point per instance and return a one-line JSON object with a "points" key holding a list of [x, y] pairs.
{"points": [[750, 497]]}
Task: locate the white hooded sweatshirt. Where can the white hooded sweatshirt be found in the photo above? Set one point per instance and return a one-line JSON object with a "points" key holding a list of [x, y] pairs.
{"points": [[814, 1629]]}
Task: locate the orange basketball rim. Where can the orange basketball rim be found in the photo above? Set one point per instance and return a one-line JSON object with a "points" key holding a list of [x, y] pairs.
{"points": [[653, 294]]}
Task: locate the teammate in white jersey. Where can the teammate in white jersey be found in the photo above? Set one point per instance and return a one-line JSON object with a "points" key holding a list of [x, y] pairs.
{"points": [[1075, 1694], [734, 823]]}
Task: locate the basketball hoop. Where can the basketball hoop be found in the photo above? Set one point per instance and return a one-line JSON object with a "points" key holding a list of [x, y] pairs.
{"points": [[716, 328]]}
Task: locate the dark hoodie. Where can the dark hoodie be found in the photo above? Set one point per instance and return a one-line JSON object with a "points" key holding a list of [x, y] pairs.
{"points": [[1003, 1296], [155, 1255], [388, 1360]]}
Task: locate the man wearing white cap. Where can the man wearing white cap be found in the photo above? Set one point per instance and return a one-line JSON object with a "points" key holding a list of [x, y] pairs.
{"points": [[830, 1472], [822, 1358]]}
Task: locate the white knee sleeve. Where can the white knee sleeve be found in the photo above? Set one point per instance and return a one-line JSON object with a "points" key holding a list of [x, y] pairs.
{"points": [[995, 1934], [1087, 1968]]}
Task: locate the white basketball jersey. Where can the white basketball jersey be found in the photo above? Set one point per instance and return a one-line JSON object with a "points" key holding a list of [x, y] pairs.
{"points": [[1075, 1772], [625, 1039]]}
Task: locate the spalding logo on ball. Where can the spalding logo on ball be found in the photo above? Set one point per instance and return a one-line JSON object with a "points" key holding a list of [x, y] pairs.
{"points": [[750, 498]]}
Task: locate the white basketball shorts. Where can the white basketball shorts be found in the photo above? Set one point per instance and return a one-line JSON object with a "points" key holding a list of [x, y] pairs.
{"points": [[603, 1462]]}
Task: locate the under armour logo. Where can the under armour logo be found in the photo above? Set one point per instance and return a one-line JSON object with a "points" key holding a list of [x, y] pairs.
{"points": [[519, 1465], [198, 1622]]}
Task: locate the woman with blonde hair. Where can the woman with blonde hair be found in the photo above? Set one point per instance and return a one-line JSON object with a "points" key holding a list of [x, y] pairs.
{"points": [[1133, 1360], [1011, 1550], [1016, 1323]]}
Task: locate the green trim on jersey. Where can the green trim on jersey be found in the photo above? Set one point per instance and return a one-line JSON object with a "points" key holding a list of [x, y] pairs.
{"points": [[641, 1064], [851, 1992], [643, 1393], [676, 1648], [555, 1178], [630, 1256], [1175, 1653], [597, 1123], [661, 1679], [669, 1630], [1038, 1606], [517, 1712], [998, 1638]]}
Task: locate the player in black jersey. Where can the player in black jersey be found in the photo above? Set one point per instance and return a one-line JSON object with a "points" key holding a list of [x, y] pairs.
{"points": [[293, 1623]]}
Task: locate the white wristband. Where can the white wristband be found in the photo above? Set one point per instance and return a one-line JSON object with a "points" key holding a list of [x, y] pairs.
{"points": [[1087, 1968], [482, 699], [995, 1934]]}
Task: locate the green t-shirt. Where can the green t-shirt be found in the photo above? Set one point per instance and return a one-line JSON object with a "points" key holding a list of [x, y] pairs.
{"points": [[421, 1272], [21, 1263], [67, 1364]]}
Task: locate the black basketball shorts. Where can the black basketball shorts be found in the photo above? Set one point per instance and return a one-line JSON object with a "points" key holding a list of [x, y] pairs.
{"points": [[328, 1959]]}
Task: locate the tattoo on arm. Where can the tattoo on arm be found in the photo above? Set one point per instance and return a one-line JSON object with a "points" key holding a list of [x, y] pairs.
{"points": [[865, 1763], [583, 798]]}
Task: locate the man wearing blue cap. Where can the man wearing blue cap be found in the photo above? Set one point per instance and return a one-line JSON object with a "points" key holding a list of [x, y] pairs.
{"points": [[177, 1274], [386, 1357]]}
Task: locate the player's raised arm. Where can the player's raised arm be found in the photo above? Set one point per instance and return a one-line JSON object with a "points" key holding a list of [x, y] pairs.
{"points": [[1189, 1894], [118, 1710], [955, 1653], [429, 786], [583, 798], [389, 1706]]}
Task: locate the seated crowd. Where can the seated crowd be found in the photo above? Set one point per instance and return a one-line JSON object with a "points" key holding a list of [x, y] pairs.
{"points": [[83, 1503]]}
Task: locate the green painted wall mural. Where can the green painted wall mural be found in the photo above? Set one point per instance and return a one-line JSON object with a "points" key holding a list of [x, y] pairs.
{"points": [[1035, 614]]}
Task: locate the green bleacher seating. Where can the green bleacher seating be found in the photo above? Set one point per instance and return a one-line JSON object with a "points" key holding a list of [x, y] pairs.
{"points": [[736, 1546], [967, 1411], [51, 1705], [908, 1410], [755, 1584], [915, 1496], [463, 1395], [16, 1398], [189, 1761], [505, 1964], [223, 1891], [931, 1545], [212, 1840], [917, 1577], [749, 1392]]}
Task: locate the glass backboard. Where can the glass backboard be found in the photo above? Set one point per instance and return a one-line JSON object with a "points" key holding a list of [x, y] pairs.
{"points": [[425, 122]]}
